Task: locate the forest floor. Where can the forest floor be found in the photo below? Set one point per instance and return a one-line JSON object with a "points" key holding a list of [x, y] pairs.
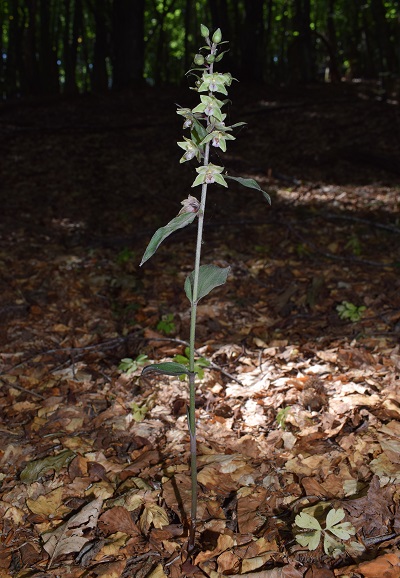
{"points": [[299, 414]]}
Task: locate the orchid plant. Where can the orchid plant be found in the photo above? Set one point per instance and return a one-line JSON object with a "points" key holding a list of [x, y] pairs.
{"points": [[206, 124]]}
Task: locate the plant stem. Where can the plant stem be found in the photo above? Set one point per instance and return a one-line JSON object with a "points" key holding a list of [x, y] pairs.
{"points": [[192, 375]]}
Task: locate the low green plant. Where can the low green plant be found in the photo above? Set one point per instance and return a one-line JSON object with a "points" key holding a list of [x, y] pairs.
{"points": [[199, 364], [347, 310], [208, 132], [129, 365], [166, 324], [125, 256], [281, 416], [354, 244], [309, 531]]}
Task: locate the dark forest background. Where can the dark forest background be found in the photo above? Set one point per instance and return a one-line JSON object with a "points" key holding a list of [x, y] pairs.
{"points": [[75, 46]]}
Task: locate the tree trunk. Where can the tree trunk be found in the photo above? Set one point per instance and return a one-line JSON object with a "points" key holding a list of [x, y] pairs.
{"points": [[334, 73], [70, 45], [301, 51], [48, 71], [29, 52], [128, 42], [386, 54], [220, 19], [188, 57], [253, 41], [14, 48], [99, 79]]}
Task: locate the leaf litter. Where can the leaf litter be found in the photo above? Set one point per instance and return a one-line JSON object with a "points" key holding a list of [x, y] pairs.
{"points": [[94, 461]]}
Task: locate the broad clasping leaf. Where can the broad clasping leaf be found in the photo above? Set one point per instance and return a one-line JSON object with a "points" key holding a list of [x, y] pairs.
{"points": [[210, 276], [177, 223]]}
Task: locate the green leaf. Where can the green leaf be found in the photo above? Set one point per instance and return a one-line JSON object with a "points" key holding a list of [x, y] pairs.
{"points": [[177, 223], [310, 539], [306, 521], [210, 276], [198, 132], [166, 368], [334, 517], [332, 547], [36, 469], [221, 55], [251, 184], [343, 531]]}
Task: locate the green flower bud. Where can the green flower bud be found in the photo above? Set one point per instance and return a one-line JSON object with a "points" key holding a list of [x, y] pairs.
{"points": [[204, 31], [210, 58], [199, 59], [217, 36]]}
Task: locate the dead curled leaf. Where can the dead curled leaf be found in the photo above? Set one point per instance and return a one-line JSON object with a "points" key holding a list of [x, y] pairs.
{"points": [[74, 534]]}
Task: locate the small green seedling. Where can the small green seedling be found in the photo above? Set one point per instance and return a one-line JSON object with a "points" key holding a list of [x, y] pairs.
{"points": [[354, 244], [199, 364], [281, 416], [129, 365], [302, 250], [139, 411], [208, 135], [166, 324], [349, 311], [125, 256], [308, 532]]}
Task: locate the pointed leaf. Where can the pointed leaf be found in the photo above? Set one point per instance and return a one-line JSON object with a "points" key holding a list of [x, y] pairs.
{"points": [[177, 223], [306, 521], [37, 468], [210, 276], [251, 184], [198, 131], [166, 368]]}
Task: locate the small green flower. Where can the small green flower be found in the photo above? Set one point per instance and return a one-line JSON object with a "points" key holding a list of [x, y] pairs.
{"points": [[191, 150], [189, 116], [213, 83], [209, 174], [211, 106], [218, 139]]}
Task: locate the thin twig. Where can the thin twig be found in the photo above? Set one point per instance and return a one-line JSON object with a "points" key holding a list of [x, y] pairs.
{"points": [[10, 385], [108, 344], [390, 228]]}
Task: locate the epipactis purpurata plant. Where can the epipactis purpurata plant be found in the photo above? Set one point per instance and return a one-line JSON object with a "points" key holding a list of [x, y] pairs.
{"points": [[206, 123]]}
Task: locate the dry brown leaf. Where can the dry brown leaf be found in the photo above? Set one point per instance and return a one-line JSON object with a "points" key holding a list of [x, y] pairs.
{"points": [[387, 565], [118, 519], [74, 534]]}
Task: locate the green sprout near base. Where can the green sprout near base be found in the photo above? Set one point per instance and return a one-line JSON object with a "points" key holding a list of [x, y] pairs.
{"points": [[347, 310]]}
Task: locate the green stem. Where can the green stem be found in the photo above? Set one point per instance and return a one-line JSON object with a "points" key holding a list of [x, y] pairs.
{"points": [[192, 375]]}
